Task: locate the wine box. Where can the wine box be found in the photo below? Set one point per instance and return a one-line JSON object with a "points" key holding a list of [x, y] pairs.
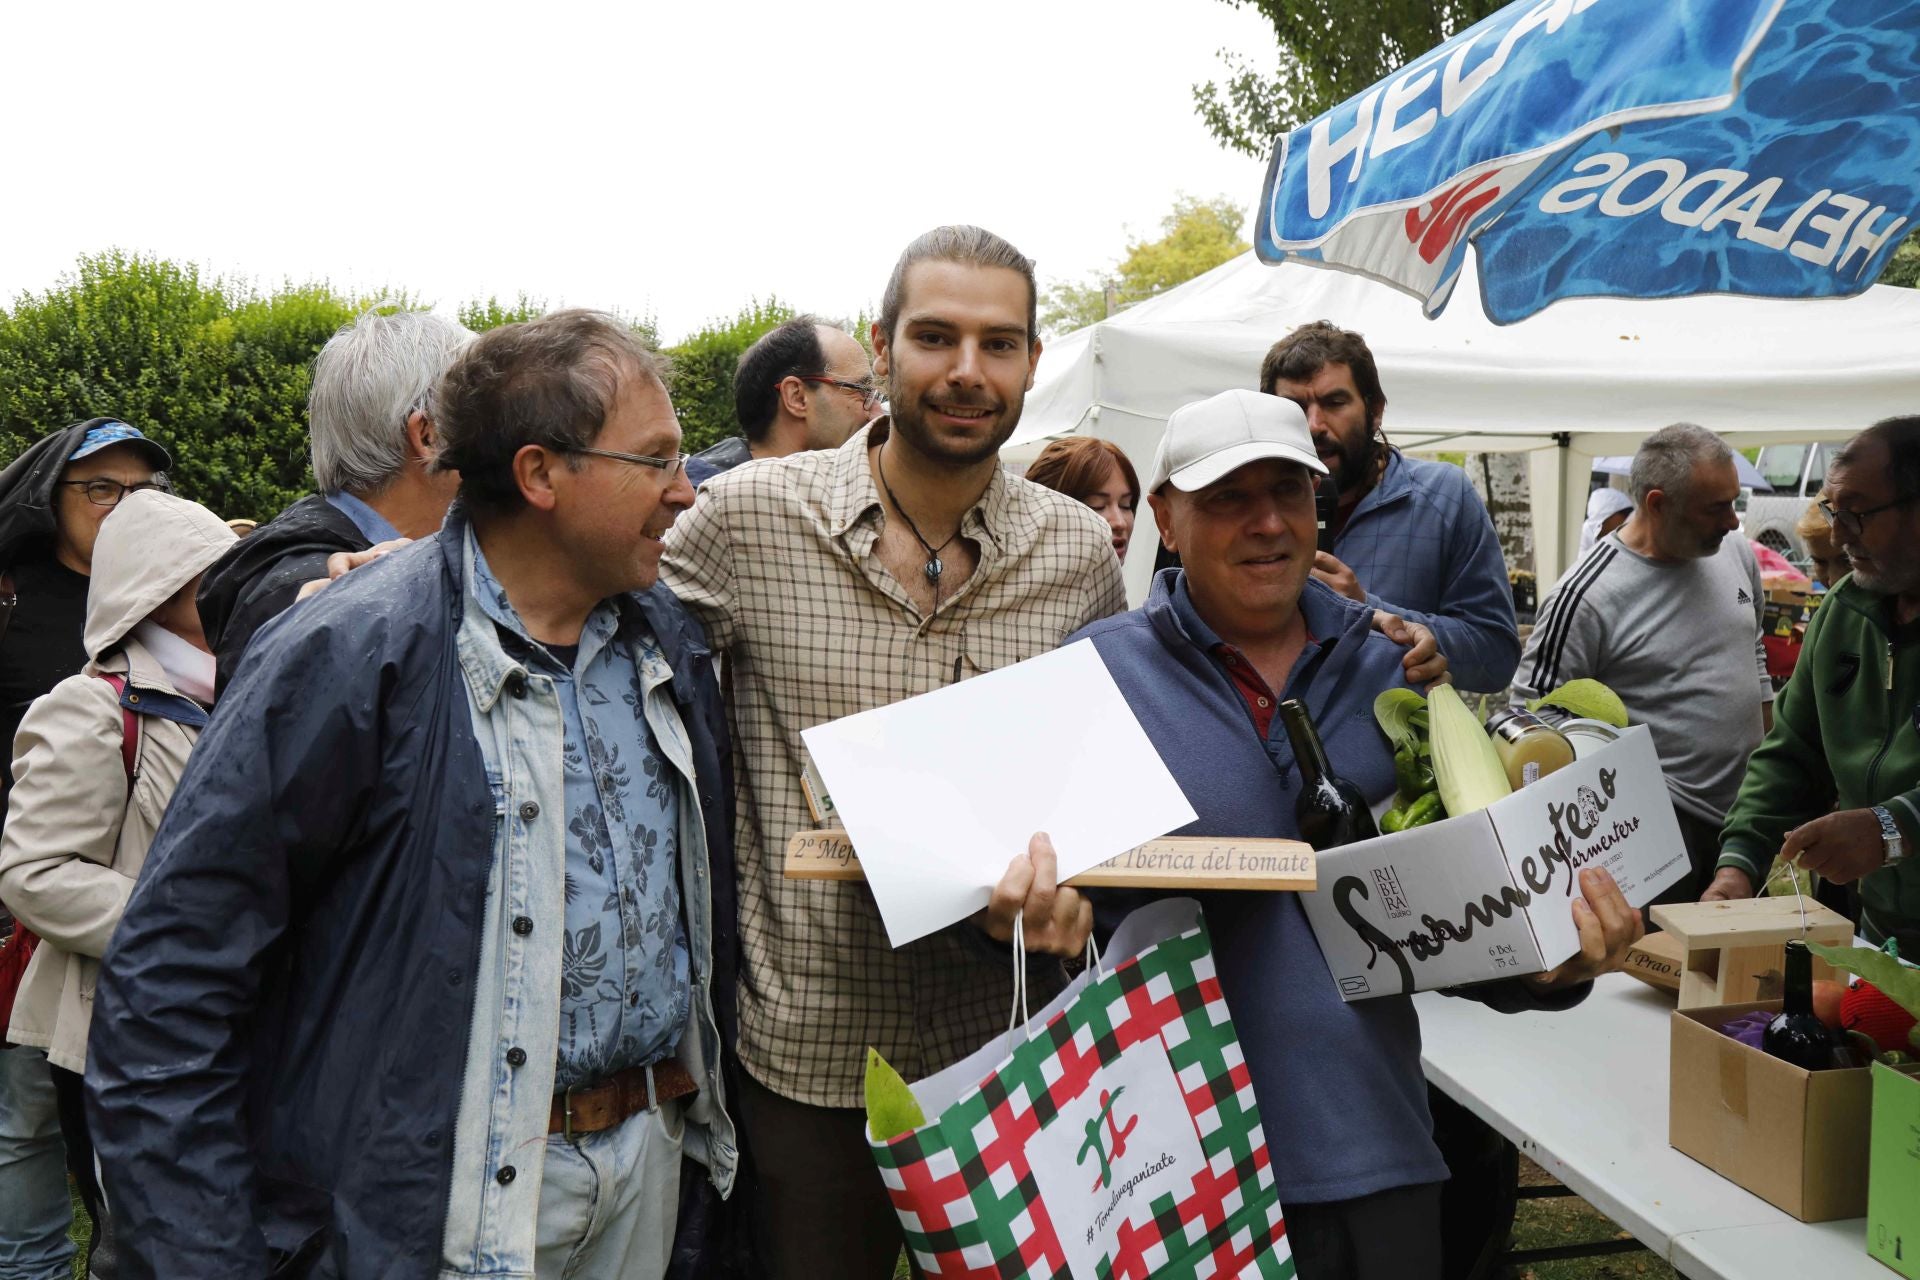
{"points": [[1893, 1179], [1490, 894], [1793, 1137]]}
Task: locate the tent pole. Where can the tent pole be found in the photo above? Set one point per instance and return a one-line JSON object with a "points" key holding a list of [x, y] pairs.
{"points": [[1551, 488]]}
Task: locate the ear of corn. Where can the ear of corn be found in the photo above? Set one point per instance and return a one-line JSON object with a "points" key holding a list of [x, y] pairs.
{"points": [[1465, 764]]}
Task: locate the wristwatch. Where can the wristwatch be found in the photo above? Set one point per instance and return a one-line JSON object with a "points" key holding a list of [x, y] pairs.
{"points": [[1890, 832]]}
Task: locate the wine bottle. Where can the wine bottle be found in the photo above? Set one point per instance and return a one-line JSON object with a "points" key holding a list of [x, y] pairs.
{"points": [[1796, 1035], [1330, 811]]}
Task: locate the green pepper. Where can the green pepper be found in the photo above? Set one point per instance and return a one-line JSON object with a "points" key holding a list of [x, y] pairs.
{"points": [[1414, 775], [1393, 820], [1424, 810]]}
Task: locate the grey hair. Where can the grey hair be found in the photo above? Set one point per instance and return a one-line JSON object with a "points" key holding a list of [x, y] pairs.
{"points": [[968, 246], [1666, 459], [367, 381]]}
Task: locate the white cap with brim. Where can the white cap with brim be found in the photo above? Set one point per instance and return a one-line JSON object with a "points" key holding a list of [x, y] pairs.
{"points": [[1214, 437]]}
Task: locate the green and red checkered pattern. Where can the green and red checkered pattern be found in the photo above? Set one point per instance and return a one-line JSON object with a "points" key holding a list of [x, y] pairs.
{"points": [[965, 1192]]}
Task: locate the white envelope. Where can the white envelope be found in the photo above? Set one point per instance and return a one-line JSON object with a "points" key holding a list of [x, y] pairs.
{"points": [[941, 791]]}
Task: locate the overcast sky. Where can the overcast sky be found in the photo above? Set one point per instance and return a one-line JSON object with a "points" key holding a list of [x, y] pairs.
{"points": [[672, 160]]}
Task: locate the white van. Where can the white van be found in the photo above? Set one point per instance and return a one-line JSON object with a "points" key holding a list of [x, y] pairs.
{"points": [[1796, 472]]}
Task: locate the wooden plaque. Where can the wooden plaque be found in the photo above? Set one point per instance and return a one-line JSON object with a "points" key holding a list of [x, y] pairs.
{"points": [[1733, 951], [1177, 862]]}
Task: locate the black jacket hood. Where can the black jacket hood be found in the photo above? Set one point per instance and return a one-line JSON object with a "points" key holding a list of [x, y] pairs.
{"points": [[26, 491], [261, 576]]}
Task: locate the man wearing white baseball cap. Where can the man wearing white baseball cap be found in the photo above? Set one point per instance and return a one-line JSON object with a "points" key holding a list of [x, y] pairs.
{"points": [[1205, 664]]}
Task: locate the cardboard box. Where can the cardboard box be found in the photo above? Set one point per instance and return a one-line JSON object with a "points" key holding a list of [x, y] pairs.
{"points": [[1795, 1138], [1893, 1180], [1657, 960], [1490, 894]]}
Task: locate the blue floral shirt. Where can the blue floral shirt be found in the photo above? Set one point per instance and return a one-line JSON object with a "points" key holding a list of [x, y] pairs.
{"points": [[624, 985]]}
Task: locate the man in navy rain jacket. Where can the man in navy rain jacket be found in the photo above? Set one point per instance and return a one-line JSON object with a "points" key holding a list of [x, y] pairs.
{"points": [[425, 971]]}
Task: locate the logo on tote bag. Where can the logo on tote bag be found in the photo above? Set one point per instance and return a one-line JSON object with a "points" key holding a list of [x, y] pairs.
{"points": [[1114, 1134], [1139, 1133]]}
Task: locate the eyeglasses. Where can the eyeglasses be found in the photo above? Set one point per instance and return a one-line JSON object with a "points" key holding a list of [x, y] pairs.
{"points": [[1852, 523], [103, 492], [867, 391], [672, 466]]}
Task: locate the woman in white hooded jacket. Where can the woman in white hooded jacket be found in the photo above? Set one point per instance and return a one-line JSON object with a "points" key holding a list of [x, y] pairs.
{"points": [[95, 762]]}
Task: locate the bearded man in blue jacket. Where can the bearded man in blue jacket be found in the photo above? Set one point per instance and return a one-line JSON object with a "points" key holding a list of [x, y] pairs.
{"points": [[1204, 665], [1410, 536], [429, 964]]}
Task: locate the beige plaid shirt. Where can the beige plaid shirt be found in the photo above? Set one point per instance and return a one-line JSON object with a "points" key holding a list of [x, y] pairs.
{"points": [[777, 559]]}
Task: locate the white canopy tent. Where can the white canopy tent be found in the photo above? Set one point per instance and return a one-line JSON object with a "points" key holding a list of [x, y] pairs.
{"points": [[1582, 379]]}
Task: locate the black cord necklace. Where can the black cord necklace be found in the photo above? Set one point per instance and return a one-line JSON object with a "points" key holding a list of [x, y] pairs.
{"points": [[933, 565]]}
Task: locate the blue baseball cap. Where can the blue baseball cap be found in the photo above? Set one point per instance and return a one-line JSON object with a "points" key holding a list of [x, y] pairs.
{"points": [[110, 433]]}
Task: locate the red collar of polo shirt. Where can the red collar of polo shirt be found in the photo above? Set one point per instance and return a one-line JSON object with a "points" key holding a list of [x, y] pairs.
{"points": [[1261, 701]]}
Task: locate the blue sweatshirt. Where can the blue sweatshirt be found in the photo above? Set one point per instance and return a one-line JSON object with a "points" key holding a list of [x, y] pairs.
{"points": [[1342, 1098], [1423, 546]]}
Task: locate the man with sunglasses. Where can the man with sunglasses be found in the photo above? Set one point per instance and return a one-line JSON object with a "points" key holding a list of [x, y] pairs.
{"points": [[427, 972], [804, 385], [1833, 787], [53, 499]]}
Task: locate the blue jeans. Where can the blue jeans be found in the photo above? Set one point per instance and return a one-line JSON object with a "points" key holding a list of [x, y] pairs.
{"points": [[35, 1212], [608, 1200]]}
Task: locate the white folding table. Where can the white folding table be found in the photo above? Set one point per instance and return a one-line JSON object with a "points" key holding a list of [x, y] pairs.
{"points": [[1584, 1094]]}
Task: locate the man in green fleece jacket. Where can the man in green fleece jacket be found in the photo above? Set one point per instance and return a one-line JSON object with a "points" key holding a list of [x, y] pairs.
{"points": [[1835, 786]]}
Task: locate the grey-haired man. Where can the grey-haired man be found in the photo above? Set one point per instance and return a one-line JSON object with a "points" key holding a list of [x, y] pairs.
{"points": [[372, 439], [1666, 612]]}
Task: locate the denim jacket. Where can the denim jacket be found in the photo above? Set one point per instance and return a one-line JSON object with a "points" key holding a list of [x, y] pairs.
{"points": [[504, 1109]]}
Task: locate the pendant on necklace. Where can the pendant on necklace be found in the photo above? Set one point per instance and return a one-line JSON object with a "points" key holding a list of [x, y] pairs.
{"points": [[933, 569]]}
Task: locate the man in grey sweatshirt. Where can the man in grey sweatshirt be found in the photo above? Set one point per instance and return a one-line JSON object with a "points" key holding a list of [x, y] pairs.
{"points": [[1666, 611]]}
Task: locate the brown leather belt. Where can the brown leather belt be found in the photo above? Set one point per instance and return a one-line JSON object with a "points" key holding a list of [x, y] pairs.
{"points": [[620, 1096]]}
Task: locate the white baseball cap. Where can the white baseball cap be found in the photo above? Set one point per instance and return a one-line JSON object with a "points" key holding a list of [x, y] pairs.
{"points": [[1209, 438]]}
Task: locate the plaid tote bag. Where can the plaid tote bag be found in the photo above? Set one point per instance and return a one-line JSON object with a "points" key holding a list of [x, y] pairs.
{"points": [[1114, 1137]]}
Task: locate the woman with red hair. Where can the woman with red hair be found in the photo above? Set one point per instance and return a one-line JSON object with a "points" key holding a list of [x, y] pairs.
{"points": [[1097, 473]]}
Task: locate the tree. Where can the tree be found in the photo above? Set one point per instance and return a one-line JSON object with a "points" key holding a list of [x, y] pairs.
{"points": [[213, 370], [1195, 238], [1329, 50], [481, 316], [701, 378], [1903, 268]]}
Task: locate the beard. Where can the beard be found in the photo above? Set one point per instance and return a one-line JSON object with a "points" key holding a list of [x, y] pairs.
{"points": [[1883, 579], [909, 418], [1354, 460], [911, 421]]}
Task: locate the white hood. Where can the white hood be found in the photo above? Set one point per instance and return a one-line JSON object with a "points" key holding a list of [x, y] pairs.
{"points": [[149, 547]]}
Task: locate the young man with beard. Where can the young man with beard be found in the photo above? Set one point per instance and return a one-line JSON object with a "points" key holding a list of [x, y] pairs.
{"points": [[1410, 537], [1833, 786], [838, 581]]}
